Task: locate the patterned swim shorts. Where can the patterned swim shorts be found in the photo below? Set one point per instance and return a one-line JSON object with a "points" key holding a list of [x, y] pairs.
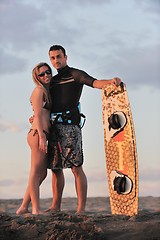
{"points": [[65, 147]]}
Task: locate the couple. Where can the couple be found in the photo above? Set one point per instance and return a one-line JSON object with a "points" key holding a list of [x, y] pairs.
{"points": [[55, 133]]}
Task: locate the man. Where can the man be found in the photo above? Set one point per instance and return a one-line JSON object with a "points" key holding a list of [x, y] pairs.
{"points": [[65, 144]]}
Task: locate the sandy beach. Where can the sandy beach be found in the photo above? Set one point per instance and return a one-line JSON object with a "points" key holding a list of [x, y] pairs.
{"points": [[97, 223]]}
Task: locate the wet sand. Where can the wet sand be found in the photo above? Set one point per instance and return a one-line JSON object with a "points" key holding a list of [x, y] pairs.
{"points": [[97, 223]]}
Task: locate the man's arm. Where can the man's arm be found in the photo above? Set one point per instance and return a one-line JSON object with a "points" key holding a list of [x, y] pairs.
{"points": [[102, 83]]}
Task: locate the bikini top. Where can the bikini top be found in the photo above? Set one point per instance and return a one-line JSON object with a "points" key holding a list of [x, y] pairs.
{"points": [[46, 105]]}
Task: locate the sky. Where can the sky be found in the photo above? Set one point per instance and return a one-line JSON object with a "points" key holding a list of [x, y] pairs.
{"points": [[105, 38]]}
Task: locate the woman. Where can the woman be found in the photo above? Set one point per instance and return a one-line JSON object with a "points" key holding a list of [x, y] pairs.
{"points": [[38, 136]]}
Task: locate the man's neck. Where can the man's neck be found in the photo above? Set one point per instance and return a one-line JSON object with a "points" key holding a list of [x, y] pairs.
{"points": [[61, 69]]}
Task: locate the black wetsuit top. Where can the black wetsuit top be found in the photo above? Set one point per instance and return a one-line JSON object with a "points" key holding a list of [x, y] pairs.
{"points": [[66, 88]]}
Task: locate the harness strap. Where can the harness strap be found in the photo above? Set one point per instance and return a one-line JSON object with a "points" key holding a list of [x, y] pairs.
{"points": [[66, 117], [84, 120]]}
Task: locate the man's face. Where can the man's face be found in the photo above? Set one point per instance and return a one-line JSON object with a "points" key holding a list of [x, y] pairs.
{"points": [[58, 59]]}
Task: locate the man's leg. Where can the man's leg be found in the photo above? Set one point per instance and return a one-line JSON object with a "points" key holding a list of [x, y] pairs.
{"points": [[81, 188], [57, 189]]}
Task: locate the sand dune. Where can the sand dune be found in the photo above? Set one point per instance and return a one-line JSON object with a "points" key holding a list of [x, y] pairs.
{"points": [[97, 223]]}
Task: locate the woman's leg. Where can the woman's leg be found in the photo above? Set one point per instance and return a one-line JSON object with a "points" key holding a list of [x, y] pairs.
{"points": [[38, 169], [26, 200], [25, 204], [38, 173]]}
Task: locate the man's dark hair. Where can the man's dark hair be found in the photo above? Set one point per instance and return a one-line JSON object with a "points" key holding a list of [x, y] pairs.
{"points": [[57, 47]]}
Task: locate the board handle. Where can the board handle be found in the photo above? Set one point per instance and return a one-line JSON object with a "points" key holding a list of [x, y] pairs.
{"points": [[122, 85]]}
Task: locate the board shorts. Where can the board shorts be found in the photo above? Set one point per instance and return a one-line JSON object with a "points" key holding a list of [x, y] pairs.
{"points": [[65, 147]]}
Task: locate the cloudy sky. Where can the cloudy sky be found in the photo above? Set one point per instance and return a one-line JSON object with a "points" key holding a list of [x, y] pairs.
{"points": [[105, 38]]}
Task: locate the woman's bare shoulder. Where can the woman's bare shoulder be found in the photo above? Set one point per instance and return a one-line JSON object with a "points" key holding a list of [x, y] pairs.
{"points": [[37, 92]]}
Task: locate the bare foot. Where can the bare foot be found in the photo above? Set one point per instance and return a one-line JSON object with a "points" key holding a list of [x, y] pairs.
{"points": [[80, 213], [22, 210], [52, 210], [37, 212]]}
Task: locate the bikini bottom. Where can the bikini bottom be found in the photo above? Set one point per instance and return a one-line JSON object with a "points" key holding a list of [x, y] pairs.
{"points": [[35, 131]]}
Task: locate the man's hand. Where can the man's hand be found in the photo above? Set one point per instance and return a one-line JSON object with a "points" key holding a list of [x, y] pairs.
{"points": [[116, 81], [31, 119]]}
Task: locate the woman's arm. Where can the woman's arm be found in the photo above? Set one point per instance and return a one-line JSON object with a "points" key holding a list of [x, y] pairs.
{"points": [[37, 103]]}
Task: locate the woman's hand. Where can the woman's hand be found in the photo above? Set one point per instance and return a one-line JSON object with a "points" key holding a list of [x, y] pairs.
{"points": [[43, 144]]}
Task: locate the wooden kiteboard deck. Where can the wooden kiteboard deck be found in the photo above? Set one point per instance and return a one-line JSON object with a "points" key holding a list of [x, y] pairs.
{"points": [[120, 150]]}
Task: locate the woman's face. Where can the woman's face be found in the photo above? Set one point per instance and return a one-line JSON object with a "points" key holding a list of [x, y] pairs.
{"points": [[44, 75]]}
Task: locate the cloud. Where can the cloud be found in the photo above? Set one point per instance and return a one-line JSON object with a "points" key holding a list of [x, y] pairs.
{"points": [[150, 6], [149, 174], [98, 175], [22, 29], [149, 188], [137, 66], [78, 2], [11, 63], [7, 182], [96, 2], [12, 127], [28, 26], [21, 24]]}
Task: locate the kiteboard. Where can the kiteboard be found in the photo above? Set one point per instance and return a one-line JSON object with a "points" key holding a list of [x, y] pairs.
{"points": [[120, 150]]}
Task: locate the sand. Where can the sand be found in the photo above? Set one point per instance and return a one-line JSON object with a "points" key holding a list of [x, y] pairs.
{"points": [[97, 223]]}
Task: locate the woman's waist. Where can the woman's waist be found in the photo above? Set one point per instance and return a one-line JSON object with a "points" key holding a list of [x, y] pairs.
{"points": [[45, 126]]}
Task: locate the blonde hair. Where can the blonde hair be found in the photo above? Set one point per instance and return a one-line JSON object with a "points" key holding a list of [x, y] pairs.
{"points": [[36, 80]]}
